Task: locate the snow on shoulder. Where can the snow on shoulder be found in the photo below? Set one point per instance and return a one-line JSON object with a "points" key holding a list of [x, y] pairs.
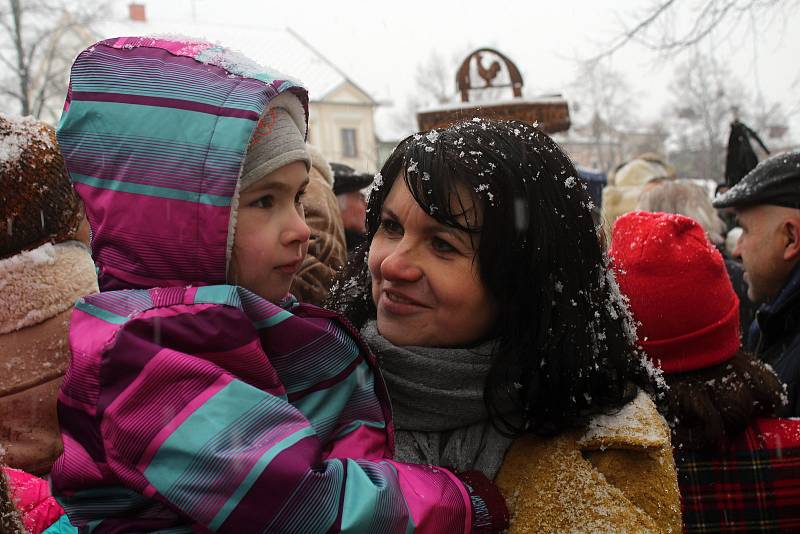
{"points": [[637, 424]]}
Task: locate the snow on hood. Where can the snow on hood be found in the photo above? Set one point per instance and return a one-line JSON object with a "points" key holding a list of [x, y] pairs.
{"points": [[154, 134]]}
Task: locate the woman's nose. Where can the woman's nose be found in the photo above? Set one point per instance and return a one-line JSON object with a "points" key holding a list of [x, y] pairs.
{"points": [[401, 265]]}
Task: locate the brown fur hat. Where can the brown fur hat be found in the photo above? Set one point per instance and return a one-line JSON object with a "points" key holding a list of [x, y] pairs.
{"points": [[38, 202]]}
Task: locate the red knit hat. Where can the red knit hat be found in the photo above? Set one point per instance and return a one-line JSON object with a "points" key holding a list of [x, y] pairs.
{"points": [[678, 289]]}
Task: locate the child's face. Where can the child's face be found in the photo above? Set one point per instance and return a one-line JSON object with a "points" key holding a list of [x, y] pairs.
{"points": [[271, 236]]}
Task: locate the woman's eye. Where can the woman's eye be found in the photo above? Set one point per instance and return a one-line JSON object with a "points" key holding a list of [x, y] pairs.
{"points": [[266, 201], [299, 197], [440, 245], [391, 227]]}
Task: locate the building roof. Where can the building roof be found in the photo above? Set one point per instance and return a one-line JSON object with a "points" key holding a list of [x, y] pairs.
{"points": [[280, 48]]}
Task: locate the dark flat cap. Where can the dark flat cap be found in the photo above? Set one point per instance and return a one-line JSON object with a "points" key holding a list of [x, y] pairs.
{"points": [[346, 179], [776, 180]]}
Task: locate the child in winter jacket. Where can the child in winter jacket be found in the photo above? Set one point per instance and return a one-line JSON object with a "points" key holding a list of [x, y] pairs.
{"points": [[191, 404]]}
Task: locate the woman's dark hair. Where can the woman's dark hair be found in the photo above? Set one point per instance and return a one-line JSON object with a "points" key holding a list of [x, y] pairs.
{"points": [[708, 406], [566, 346]]}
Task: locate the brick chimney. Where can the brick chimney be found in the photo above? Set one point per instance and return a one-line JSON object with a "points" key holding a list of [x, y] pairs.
{"points": [[136, 12]]}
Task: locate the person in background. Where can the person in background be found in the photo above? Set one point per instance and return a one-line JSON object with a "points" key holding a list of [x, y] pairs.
{"points": [[43, 271], [687, 198], [626, 183], [327, 251], [348, 185], [738, 466], [767, 205], [728, 216]]}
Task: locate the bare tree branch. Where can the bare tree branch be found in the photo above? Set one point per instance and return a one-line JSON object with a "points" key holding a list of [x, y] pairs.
{"points": [[631, 34], [10, 92], [704, 97], [652, 31], [8, 63], [603, 104], [38, 39]]}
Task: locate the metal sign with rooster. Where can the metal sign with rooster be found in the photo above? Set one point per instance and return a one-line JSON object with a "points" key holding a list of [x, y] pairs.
{"points": [[487, 74]]}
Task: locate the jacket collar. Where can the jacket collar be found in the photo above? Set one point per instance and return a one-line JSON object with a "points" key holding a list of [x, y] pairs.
{"points": [[787, 295], [637, 424], [769, 313]]}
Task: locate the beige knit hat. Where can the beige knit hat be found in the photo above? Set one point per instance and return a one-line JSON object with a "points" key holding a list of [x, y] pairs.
{"points": [[276, 141]]}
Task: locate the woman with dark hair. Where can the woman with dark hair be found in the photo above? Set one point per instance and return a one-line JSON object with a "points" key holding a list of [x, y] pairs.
{"points": [[483, 290], [738, 470]]}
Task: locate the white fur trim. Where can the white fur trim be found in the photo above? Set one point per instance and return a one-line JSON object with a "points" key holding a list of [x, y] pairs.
{"points": [[232, 229], [38, 284]]}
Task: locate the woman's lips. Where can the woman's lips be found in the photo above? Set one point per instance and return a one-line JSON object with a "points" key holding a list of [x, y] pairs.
{"points": [[397, 303]]}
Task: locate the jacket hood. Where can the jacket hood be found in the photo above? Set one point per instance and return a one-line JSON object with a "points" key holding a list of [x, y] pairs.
{"points": [[154, 134]]}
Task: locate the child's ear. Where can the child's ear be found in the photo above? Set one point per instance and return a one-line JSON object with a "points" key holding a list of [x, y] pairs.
{"points": [[791, 228]]}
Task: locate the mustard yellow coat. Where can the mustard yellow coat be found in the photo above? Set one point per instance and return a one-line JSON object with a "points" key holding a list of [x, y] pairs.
{"points": [[616, 476]]}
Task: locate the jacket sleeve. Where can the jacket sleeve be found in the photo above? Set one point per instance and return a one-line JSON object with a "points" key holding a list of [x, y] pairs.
{"points": [[31, 495], [235, 455]]}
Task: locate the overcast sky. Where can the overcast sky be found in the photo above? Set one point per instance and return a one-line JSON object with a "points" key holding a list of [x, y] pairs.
{"points": [[379, 43]]}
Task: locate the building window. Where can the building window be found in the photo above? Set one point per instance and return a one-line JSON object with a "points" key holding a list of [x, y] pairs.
{"points": [[349, 143]]}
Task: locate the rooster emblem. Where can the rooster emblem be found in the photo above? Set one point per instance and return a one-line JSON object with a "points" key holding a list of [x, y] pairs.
{"points": [[487, 74]]}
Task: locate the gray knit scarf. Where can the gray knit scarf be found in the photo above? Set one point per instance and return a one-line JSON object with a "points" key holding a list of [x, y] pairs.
{"points": [[437, 402]]}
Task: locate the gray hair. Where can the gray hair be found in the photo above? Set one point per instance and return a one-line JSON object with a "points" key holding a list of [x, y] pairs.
{"points": [[684, 198]]}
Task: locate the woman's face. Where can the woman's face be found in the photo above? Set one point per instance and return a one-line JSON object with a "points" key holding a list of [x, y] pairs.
{"points": [[425, 281]]}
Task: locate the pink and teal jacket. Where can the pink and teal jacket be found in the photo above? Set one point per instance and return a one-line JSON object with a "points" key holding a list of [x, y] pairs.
{"points": [[31, 496], [191, 405]]}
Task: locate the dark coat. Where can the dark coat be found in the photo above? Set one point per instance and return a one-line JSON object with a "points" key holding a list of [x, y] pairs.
{"points": [[775, 338], [747, 310]]}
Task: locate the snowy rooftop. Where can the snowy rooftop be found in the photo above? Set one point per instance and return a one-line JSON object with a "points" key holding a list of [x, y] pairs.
{"points": [[279, 48]]}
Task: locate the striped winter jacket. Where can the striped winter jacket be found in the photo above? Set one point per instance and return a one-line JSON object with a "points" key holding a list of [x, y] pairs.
{"points": [[190, 405]]}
